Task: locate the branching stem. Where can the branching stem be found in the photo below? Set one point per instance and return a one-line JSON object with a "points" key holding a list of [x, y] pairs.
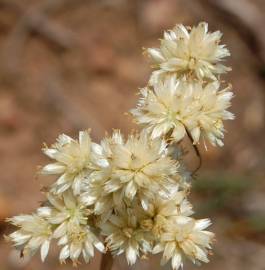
{"points": [[197, 151]]}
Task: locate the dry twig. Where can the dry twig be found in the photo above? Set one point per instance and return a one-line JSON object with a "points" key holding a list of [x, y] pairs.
{"points": [[197, 152]]}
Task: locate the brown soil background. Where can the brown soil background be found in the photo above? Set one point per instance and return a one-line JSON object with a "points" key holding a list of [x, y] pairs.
{"points": [[68, 65]]}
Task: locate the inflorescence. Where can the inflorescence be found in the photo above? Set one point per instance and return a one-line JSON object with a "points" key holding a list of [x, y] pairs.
{"points": [[129, 195]]}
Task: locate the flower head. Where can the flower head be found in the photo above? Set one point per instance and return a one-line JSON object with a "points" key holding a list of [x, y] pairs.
{"points": [[189, 53], [140, 166], [74, 226], [64, 209], [161, 211], [125, 235], [184, 237], [77, 240], [75, 160], [34, 232], [180, 107]]}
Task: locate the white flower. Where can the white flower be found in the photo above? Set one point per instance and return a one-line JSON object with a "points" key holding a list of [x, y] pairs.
{"points": [[34, 232], [64, 209], [140, 166], [161, 211], [75, 230], [77, 240], [189, 53], [177, 107], [185, 236], [125, 235], [75, 160]]}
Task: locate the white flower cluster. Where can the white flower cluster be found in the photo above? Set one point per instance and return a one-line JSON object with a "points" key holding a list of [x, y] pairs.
{"points": [[129, 195], [189, 53], [184, 95], [181, 107]]}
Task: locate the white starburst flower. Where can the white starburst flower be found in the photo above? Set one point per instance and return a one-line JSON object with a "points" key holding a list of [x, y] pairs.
{"points": [[34, 233], [62, 209], [184, 237], [140, 166], [125, 235], [79, 239], [74, 227], [189, 53], [161, 211], [180, 107], [75, 160]]}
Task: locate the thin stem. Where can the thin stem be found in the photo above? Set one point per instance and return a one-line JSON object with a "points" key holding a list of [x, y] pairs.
{"points": [[106, 261], [168, 140], [196, 150]]}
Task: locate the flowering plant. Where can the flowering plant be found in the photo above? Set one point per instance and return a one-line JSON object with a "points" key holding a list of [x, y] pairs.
{"points": [[129, 195]]}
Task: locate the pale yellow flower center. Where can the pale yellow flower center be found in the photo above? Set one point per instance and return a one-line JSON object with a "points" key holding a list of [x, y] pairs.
{"points": [[159, 227], [192, 63], [172, 116], [76, 235], [78, 214], [147, 224], [128, 232]]}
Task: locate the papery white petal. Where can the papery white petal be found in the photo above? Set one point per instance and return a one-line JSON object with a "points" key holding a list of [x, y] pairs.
{"points": [[45, 249]]}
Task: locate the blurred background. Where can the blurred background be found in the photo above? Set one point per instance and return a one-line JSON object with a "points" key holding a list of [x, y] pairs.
{"points": [[68, 65]]}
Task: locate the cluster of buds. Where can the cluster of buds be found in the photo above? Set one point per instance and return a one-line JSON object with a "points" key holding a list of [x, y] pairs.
{"points": [[129, 195]]}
